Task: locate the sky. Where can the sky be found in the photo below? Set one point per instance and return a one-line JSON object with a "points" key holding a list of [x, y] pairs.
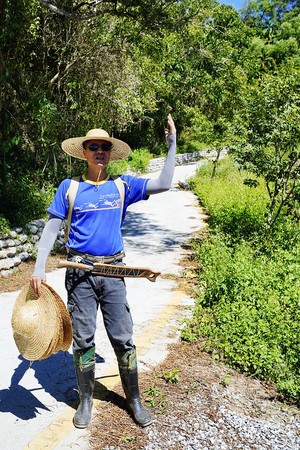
{"points": [[237, 4]]}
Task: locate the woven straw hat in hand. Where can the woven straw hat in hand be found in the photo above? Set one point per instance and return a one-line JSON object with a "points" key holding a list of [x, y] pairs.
{"points": [[41, 325]]}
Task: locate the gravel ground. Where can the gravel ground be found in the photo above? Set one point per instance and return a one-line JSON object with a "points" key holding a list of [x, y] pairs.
{"points": [[211, 407]]}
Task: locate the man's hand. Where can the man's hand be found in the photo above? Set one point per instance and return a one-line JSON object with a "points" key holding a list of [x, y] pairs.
{"points": [[171, 127], [36, 284]]}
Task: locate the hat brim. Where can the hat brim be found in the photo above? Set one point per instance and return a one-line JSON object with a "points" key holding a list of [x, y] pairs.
{"points": [[74, 147], [41, 325], [66, 335]]}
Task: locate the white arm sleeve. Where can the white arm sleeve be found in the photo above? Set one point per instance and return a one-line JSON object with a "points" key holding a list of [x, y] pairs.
{"points": [[164, 181], [46, 243]]}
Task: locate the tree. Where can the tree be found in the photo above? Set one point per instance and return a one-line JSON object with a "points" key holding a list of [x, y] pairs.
{"points": [[148, 13], [61, 76], [270, 139], [214, 77]]}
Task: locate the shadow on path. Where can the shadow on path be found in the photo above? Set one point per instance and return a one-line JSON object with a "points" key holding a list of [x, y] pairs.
{"points": [[143, 229], [55, 375]]}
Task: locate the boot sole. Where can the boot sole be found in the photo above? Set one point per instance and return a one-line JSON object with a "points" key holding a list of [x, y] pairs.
{"points": [[144, 425], [80, 425]]}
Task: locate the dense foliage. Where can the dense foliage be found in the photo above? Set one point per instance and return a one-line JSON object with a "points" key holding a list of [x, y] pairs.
{"points": [[248, 292], [235, 208], [68, 66]]}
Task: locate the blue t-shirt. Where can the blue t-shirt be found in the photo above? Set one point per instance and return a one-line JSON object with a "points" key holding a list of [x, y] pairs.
{"points": [[96, 217]]}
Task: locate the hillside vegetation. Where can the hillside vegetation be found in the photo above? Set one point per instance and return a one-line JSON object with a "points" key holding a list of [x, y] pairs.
{"points": [[229, 78], [248, 290]]}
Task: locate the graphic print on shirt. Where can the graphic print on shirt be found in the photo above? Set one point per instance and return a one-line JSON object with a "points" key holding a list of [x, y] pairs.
{"points": [[104, 202]]}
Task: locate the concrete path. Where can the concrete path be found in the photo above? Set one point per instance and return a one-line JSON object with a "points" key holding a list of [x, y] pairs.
{"points": [[36, 402]]}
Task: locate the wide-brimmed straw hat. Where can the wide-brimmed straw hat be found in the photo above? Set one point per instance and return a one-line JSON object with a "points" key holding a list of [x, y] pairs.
{"points": [[74, 146], [41, 325]]}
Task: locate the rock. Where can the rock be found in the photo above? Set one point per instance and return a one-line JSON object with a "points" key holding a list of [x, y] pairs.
{"points": [[6, 273], [22, 238], [24, 256], [10, 242], [33, 229], [11, 251], [6, 264]]}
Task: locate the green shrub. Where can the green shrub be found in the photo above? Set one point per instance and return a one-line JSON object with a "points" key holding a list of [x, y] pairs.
{"points": [[22, 200], [139, 160], [117, 167], [192, 145], [226, 170], [248, 310], [4, 225], [285, 234], [234, 208], [248, 292]]}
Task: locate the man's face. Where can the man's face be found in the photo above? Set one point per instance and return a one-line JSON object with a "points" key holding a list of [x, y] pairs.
{"points": [[97, 152]]}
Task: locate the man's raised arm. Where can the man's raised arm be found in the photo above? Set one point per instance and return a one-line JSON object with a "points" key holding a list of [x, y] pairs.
{"points": [[164, 181]]}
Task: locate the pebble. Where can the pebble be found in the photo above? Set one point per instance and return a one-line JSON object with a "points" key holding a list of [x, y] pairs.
{"points": [[230, 430]]}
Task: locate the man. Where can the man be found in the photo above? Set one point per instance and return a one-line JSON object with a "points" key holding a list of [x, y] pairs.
{"points": [[95, 235]]}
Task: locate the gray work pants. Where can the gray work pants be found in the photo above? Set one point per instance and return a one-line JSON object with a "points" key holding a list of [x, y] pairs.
{"points": [[86, 293]]}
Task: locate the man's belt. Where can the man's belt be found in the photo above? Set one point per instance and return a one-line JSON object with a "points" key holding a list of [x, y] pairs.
{"points": [[97, 259], [110, 270]]}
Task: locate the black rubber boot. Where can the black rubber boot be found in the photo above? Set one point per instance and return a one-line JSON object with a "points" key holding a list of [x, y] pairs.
{"points": [[84, 363], [129, 377]]}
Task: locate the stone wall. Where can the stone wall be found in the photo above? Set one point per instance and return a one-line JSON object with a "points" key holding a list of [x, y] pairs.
{"points": [[181, 159], [20, 244]]}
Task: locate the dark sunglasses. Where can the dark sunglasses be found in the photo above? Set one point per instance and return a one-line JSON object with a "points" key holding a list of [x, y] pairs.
{"points": [[105, 146]]}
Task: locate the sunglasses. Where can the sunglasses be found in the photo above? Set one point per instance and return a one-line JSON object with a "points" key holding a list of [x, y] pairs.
{"points": [[105, 146]]}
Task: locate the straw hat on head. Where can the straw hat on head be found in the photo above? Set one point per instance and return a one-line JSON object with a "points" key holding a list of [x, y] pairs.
{"points": [[74, 146], [41, 325]]}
